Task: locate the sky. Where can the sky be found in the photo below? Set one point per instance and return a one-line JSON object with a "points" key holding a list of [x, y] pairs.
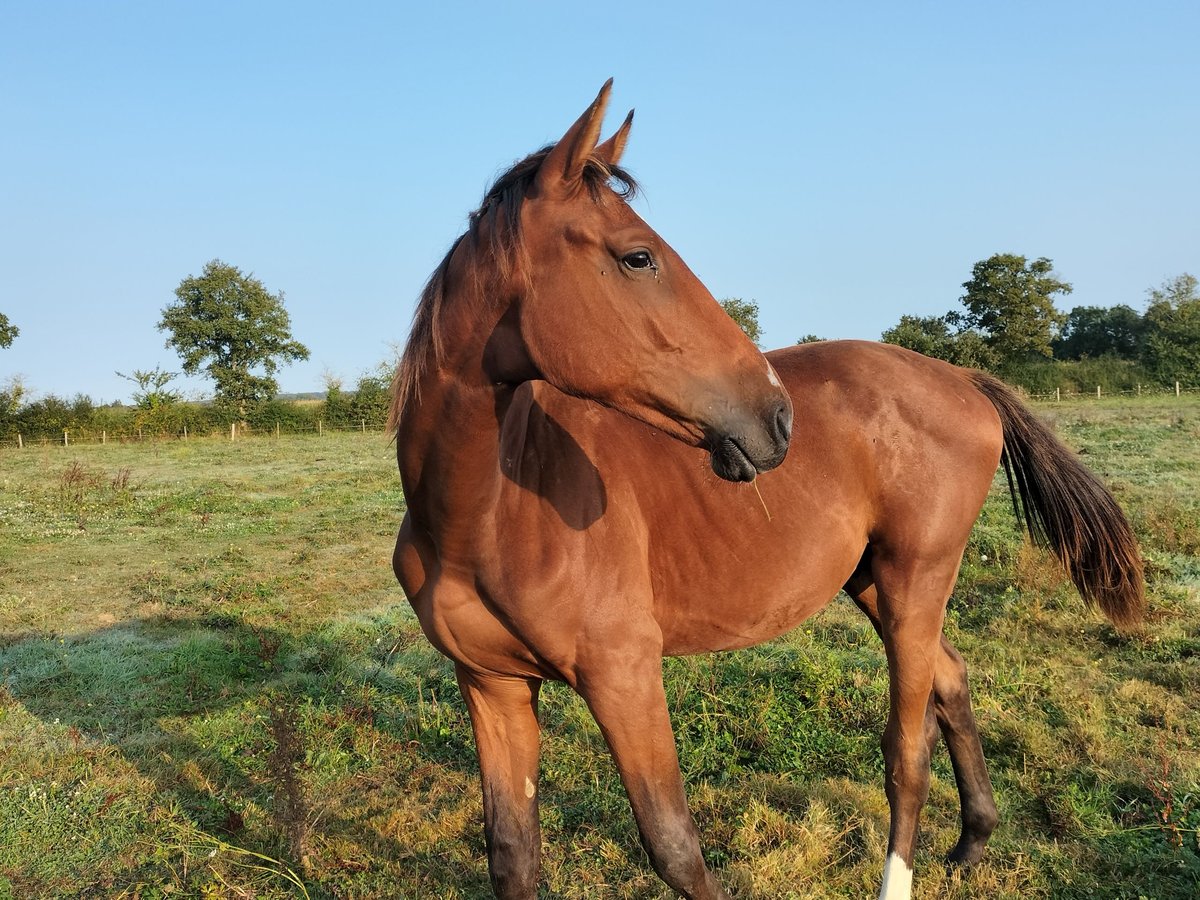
{"points": [[839, 164]]}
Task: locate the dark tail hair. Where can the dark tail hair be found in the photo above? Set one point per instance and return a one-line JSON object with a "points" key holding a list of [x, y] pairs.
{"points": [[1065, 507]]}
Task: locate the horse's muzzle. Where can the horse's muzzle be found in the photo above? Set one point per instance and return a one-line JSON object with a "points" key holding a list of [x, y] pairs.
{"points": [[759, 445]]}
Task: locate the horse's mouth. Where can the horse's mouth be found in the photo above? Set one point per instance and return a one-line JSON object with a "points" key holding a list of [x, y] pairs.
{"points": [[730, 461]]}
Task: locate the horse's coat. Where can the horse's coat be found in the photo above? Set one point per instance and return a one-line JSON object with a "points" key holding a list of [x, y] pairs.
{"points": [[566, 378]]}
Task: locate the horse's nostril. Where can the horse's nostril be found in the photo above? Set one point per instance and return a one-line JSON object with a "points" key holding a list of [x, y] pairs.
{"points": [[783, 423]]}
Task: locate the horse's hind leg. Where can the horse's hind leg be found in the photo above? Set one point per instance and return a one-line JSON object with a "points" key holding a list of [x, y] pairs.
{"points": [[504, 719], [952, 696], [625, 694], [951, 706]]}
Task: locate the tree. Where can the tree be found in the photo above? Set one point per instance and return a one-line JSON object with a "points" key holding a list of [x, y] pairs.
{"points": [[229, 324], [810, 339], [8, 331], [745, 313], [152, 393], [12, 395], [1010, 302], [1094, 331], [933, 336], [1171, 349]]}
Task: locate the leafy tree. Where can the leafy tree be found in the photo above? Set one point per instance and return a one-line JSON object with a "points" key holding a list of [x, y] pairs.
{"points": [[152, 390], [810, 339], [229, 324], [1010, 302], [1171, 350], [1095, 331], [8, 331], [745, 313], [933, 336], [12, 396]]}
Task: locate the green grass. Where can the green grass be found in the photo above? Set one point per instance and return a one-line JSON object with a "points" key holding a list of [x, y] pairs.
{"points": [[210, 686]]}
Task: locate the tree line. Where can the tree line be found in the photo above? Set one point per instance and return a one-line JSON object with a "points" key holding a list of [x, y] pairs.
{"points": [[226, 324], [223, 323], [1007, 323]]}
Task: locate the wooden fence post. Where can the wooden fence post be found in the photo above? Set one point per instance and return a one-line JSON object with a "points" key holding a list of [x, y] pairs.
{"points": [[1097, 392], [1058, 395], [1177, 389], [66, 440], [20, 442], [185, 432], [363, 422], [320, 428], [104, 437], [233, 431]]}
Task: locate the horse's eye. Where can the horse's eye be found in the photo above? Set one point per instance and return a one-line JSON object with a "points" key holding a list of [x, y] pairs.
{"points": [[638, 259]]}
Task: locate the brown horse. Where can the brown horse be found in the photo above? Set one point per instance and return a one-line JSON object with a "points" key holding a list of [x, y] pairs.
{"points": [[565, 378]]}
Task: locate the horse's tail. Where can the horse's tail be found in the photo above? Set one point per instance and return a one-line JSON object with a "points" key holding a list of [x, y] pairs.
{"points": [[1067, 508]]}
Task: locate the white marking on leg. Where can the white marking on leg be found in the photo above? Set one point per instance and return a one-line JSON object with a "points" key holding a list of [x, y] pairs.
{"points": [[529, 788], [897, 879], [773, 377]]}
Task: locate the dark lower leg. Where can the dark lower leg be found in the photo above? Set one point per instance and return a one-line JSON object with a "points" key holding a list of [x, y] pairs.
{"points": [[953, 706]]}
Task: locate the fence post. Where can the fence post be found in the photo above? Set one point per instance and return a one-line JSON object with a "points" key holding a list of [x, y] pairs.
{"points": [[276, 429], [20, 442], [233, 431], [66, 440], [185, 432], [1177, 389], [1058, 395], [320, 428], [363, 422], [1097, 392], [104, 437], [1139, 389]]}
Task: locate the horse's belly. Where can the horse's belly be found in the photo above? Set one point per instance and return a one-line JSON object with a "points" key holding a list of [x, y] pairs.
{"points": [[748, 591]]}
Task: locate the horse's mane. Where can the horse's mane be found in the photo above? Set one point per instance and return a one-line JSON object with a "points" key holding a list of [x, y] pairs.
{"points": [[499, 219]]}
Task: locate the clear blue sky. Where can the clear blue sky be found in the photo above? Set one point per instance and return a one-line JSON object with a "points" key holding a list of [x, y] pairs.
{"points": [[841, 164]]}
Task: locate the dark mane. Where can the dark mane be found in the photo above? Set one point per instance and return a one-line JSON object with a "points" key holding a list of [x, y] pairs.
{"points": [[493, 236]]}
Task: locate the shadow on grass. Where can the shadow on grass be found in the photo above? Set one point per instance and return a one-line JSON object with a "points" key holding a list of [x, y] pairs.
{"points": [[272, 742]]}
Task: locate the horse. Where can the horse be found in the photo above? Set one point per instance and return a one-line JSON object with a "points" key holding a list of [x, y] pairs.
{"points": [[601, 470]]}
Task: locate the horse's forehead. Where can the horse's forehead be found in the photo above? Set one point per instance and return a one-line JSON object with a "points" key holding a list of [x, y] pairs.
{"points": [[584, 214]]}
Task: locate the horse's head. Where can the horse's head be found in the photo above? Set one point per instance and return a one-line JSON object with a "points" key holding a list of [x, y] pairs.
{"points": [[605, 309]]}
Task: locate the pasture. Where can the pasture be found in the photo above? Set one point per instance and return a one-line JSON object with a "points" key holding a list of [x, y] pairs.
{"points": [[211, 686]]}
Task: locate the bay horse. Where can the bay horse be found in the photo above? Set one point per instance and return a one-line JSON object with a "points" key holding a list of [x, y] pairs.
{"points": [[581, 430]]}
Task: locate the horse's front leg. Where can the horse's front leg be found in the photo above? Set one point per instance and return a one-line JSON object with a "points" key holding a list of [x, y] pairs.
{"points": [[504, 719], [623, 687]]}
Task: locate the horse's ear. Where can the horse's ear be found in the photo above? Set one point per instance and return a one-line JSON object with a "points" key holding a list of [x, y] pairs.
{"points": [[563, 165], [610, 151]]}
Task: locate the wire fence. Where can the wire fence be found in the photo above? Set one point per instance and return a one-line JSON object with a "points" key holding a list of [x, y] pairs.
{"points": [[239, 431], [70, 437], [1060, 395]]}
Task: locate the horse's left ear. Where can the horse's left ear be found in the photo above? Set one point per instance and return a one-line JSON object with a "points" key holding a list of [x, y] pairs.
{"points": [[610, 151], [563, 166]]}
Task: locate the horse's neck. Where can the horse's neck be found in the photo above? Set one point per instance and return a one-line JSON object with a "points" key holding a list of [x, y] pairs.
{"points": [[448, 439]]}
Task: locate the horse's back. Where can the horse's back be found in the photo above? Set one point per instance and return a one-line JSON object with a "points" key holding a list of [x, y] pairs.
{"points": [[934, 439]]}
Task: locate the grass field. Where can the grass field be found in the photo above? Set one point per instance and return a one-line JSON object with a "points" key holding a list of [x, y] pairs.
{"points": [[210, 686]]}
